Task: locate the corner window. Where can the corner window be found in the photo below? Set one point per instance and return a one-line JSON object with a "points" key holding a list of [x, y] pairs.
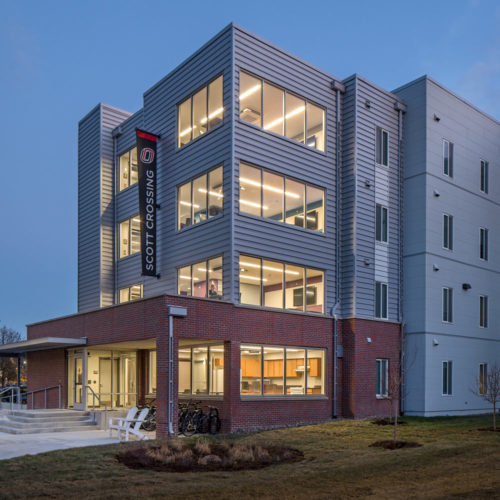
{"points": [[447, 305], [203, 279], [483, 243], [447, 378], [200, 199], [201, 370], [283, 286], [448, 231], [381, 223], [129, 170], [276, 110], [200, 112], [381, 390], [483, 311], [382, 147], [381, 300], [130, 236], [281, 371], [281, 199], [129, 293], [483, 378], [447, 158], [484, 176]]}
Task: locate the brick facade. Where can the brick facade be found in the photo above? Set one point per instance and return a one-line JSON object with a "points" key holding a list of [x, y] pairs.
{"points": [[231, 325]]}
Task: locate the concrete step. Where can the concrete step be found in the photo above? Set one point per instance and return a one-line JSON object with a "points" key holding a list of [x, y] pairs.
{"points": [[47, 413], [41, 420], [35, 430], [49, 426]]}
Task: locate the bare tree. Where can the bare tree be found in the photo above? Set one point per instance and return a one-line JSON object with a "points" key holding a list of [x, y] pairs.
{"points": [[8, 366], [488, 388]]}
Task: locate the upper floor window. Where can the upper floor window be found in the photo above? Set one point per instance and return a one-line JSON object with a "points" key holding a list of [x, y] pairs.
{"points": [[130, 236], [483, 243], [483, 378], [203, 279], [483, 311], [284, 286], [382, 147], [200, 199], [447, 158], [381, 300], [447, 378], [280, 198], [281, 112], [484, 176], [129, 293], [382, 385], [448, 231], [381, 223], [200, 112], [447, 305], [129, 170]]}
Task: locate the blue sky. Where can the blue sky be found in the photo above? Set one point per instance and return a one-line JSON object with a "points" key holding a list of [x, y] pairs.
{"points": [[60, 58]]}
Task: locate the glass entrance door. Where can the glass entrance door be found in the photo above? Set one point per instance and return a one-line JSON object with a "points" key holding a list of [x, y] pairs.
{"points": [[79, 387]]}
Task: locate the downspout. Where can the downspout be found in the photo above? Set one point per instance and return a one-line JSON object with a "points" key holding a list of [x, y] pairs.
{"points": [[334, 376], [115, 134]]}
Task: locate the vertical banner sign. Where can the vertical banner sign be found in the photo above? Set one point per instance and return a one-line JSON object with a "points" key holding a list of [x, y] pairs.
{"points": [[146, 156]]}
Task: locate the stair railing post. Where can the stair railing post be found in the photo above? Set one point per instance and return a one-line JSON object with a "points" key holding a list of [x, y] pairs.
{"points": [[19, 396], [60, 406], [45, 399]]}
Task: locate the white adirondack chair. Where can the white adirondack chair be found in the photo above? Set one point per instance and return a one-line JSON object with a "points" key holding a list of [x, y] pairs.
{"points": [[118, 423], [133, 426]]}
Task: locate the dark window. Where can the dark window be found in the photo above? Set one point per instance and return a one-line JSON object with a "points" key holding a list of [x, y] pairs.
{"points": [[448, 231], [381, 223], [382, 147], [447, 378], [380, 300], [484, 176], [448, 158]]}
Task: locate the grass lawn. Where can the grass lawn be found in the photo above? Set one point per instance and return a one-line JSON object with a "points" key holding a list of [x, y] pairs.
{"points": [[456, 461]]}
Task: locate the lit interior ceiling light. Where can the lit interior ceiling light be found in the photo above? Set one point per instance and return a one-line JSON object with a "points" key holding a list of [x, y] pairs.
{"points": [[250, 91], [252, 204], [279, 120], [249, 264], [213, 193], [187, 131], [187, 204], [251, 277], [269, 188], [308, 217], [188, 278], [217, 112]]}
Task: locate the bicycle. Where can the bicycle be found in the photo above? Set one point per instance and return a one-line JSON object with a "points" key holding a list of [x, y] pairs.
{"points": [[150, 423]]}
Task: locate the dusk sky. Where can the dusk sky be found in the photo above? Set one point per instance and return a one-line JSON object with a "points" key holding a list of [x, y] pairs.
{"points": [[60, 58]]}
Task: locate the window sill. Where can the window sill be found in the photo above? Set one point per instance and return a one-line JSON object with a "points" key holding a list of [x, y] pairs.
{"points": [[123, 259], [199, 224], [273, 397], [202, 397]]}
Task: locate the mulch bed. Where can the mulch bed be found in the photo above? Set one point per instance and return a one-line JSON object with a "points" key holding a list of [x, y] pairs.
{"points": [[386, 421], [200, 455], [390, 444]]}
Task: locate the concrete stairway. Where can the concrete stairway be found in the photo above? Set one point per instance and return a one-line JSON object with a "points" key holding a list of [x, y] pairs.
{"points": [[36, 421]]}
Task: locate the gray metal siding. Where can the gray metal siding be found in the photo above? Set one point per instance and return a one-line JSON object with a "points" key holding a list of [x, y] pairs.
{"points": [[266, 238]]}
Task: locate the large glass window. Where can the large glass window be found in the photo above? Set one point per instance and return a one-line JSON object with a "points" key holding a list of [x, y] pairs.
{"points": [[129, 170], [381, 389], [200, 112], [381, 223], [279, 371], [382, 147], [201, 370], [280, 198], [281, 285], [203, 279], [130, 236], [281, 112], [132, 292], [448, 158], [381, 300], [200, 199]]}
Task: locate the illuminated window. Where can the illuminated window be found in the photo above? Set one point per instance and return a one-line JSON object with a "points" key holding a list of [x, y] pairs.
{"points": [[129, 293], [281, 371], [283, 286], [276, 110], [280, 198], [200, 199], [152, 372], [200, 112], [129, 173], [130, 236], [203, 279]]}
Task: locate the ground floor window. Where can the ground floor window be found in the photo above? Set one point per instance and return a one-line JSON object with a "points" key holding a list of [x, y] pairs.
{"points": [[201, 370], [483, 376], [447, 377], [280, 371], [382, 376]]}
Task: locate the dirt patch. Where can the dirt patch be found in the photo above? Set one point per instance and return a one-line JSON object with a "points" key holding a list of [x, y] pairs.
{"points": [[489, 429], [390, 444], [202, 455], [386, 421]]}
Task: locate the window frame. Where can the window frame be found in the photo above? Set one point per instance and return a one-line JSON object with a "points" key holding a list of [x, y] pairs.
{"points": [[483, 311], [484, 176], [382, 378], [448, 291], [483, 243], [380, 152], [207, 198], [119, 170], [262, 394], [129, 244], [447, 235], [448, 169], [129, 287], [447, 381], [207, 269], [379, 308], [483, 379], [381, 236], [285, 92], [190, 96], [284, 208]]}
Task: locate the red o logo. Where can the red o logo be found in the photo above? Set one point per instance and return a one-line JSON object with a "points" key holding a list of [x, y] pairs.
{"points": [[147, 155]]}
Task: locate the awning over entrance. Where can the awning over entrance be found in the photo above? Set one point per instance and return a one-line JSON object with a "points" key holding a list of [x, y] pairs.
{"points": [[17, 348]]}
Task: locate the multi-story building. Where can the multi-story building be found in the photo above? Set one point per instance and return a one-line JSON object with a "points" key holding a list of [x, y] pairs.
{"points": [[278, 290]]}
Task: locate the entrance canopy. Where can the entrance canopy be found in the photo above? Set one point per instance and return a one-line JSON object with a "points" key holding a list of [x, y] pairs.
{"points": [[17, 348]]}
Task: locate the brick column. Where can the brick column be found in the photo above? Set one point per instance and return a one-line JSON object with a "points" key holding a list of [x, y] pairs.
{"points": [[231, 383]]}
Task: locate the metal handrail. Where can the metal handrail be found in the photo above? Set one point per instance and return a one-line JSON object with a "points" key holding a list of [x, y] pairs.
{"points": [[94, 397], [11, 390], [45, 389]]}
